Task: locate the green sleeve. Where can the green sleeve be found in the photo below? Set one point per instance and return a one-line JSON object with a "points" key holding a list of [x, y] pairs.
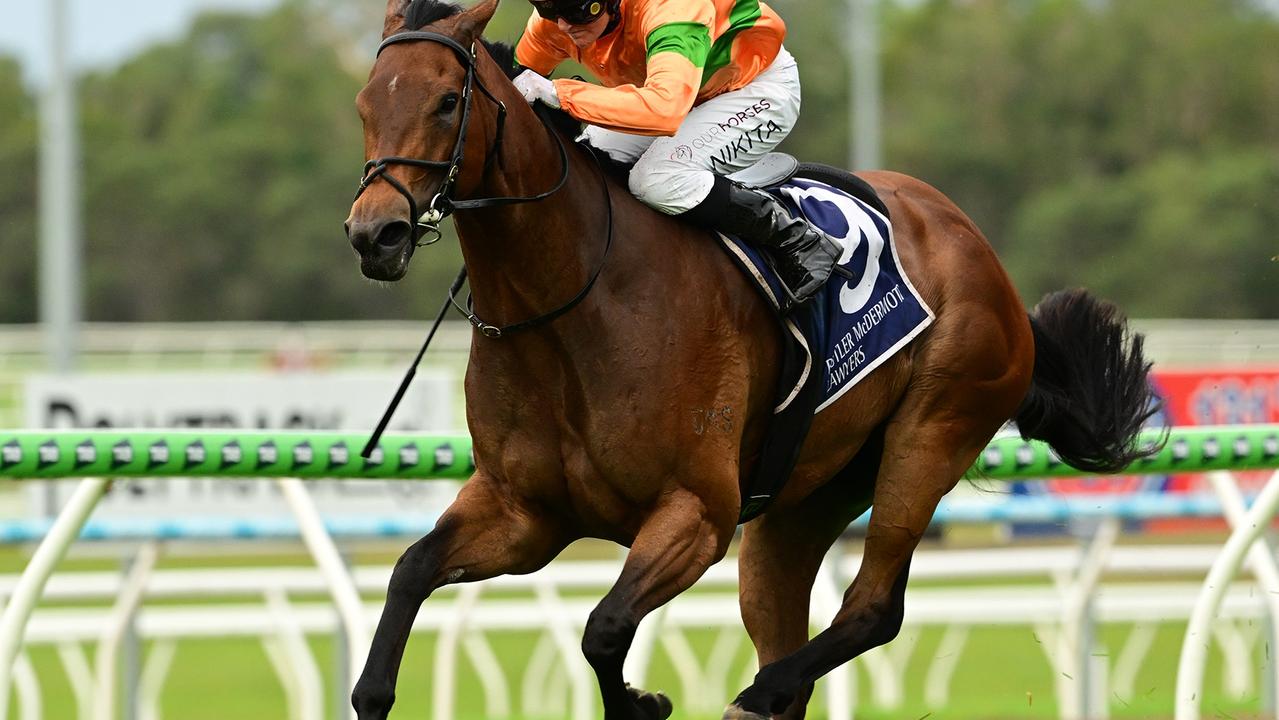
{"points": [[690, 39]]}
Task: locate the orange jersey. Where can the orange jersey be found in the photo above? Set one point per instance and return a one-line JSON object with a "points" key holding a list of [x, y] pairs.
{"points": [[664, 57]]}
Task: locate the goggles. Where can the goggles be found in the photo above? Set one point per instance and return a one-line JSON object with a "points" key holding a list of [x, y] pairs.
{"points": [[583, 12]]}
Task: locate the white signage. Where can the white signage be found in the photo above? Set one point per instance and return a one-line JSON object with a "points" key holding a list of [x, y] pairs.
{"points": [[293, 401]]}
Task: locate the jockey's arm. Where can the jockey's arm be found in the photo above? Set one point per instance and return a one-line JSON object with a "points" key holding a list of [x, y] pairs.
{"points": [[657, 107], [676, 53]]}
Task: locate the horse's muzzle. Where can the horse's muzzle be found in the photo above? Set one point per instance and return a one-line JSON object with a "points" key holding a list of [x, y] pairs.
{"points": [[384, 245]]}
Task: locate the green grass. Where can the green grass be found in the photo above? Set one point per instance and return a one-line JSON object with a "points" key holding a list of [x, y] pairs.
{"points": [[1002, 673]]}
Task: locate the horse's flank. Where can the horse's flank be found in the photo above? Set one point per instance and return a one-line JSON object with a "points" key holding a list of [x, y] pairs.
{"points": [[634, 416]]}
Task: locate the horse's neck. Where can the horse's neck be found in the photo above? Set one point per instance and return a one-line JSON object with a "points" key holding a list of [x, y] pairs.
{"points": [[527, 259]]}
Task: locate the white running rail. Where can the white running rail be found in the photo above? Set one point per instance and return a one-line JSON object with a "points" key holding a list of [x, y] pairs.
{"points": [[1247, 530]]}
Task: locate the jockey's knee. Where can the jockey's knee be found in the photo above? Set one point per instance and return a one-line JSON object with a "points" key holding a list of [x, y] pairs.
{"points": [[669, 186]]}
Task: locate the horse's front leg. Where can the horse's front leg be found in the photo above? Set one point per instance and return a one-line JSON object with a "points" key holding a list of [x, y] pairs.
{"points": [[484, 533], [674, 547]]}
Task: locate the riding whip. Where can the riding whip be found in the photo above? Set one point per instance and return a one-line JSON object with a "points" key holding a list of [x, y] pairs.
{"points": [[408, 376]]}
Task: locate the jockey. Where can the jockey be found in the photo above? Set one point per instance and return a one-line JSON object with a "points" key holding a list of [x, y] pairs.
{"points": [[693, 90]]}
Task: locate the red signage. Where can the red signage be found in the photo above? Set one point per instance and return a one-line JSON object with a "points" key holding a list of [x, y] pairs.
{"points": [[1206, 396], [1219, 396]]}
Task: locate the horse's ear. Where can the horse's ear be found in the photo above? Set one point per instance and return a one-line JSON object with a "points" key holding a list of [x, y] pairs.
{"points": [[472, 23], [394, 16]]}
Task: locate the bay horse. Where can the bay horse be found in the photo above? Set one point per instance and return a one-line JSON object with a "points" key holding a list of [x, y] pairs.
{"points": [[634, 396]]}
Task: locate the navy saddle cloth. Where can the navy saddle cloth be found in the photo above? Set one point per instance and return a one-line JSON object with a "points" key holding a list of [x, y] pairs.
{"points": [[867, 311]]}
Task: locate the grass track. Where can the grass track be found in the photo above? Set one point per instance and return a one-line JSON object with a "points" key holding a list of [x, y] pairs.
{"points": [[1003, 674]]}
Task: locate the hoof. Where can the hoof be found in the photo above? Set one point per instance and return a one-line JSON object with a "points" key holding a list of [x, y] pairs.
{"points": [[653, 705], [733, 712]]}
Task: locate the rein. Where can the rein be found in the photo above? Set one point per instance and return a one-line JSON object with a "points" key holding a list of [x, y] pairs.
{"points": [[442, 205], [495, 331]]}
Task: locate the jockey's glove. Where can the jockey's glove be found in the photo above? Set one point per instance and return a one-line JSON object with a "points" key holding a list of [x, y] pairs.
{"points": [[534, 87]]}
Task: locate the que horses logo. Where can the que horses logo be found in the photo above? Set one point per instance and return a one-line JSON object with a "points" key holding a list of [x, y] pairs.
{"points": [[832, 212]]}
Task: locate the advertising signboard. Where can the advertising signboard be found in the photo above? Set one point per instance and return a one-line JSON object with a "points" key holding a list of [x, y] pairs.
{"points": [[1220, 396], [1199, 396], [286, 401]]}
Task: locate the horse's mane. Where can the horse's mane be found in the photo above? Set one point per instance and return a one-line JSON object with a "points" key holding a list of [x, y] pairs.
{"points": [[504, 55], [420, 13]]}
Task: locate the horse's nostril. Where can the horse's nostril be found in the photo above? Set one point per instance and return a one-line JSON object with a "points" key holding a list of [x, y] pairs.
{"points": [[377, 236], [392, 234]]}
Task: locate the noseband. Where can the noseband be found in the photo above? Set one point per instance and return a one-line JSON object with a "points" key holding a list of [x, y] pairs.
{"points": [[442, 205]]}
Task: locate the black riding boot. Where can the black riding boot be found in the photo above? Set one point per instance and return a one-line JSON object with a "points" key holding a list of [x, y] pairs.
{"points": [[802, 256]]}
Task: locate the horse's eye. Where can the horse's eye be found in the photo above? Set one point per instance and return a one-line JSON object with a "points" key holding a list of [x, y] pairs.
{"points": [[448, 103]]}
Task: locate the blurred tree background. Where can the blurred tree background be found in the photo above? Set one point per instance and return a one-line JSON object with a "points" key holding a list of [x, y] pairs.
{"points": [[1130, 146]]}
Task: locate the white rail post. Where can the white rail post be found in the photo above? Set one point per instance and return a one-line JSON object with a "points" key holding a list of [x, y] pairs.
{"points": [[338, 577], [123, 615], [1261, 556], [13, 623], [79, 675], [28, 685], [824, 603], [566, 640], [294, 660], [1075, 642], [444, 695], [1194, 649], [154, 672]]}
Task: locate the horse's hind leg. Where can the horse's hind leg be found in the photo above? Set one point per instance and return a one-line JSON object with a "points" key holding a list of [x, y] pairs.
{"points": [[779, 559], [922, 460], [481, 535], [682, 538]]}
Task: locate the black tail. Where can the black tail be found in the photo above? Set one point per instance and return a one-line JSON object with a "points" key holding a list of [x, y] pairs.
{"points": [[1090, 394]]}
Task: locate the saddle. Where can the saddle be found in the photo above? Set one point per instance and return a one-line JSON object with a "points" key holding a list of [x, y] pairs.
{"points": [[773, 169], [776, 168]]}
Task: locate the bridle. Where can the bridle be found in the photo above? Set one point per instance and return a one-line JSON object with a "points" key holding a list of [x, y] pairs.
{"points": [[442, 204]]}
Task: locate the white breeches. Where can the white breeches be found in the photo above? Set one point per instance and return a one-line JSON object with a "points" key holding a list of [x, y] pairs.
{"points": [[722, 135]]}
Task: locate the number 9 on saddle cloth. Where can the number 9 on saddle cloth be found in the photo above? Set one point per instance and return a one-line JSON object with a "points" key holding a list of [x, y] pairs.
{"points": [[867, 310]]}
